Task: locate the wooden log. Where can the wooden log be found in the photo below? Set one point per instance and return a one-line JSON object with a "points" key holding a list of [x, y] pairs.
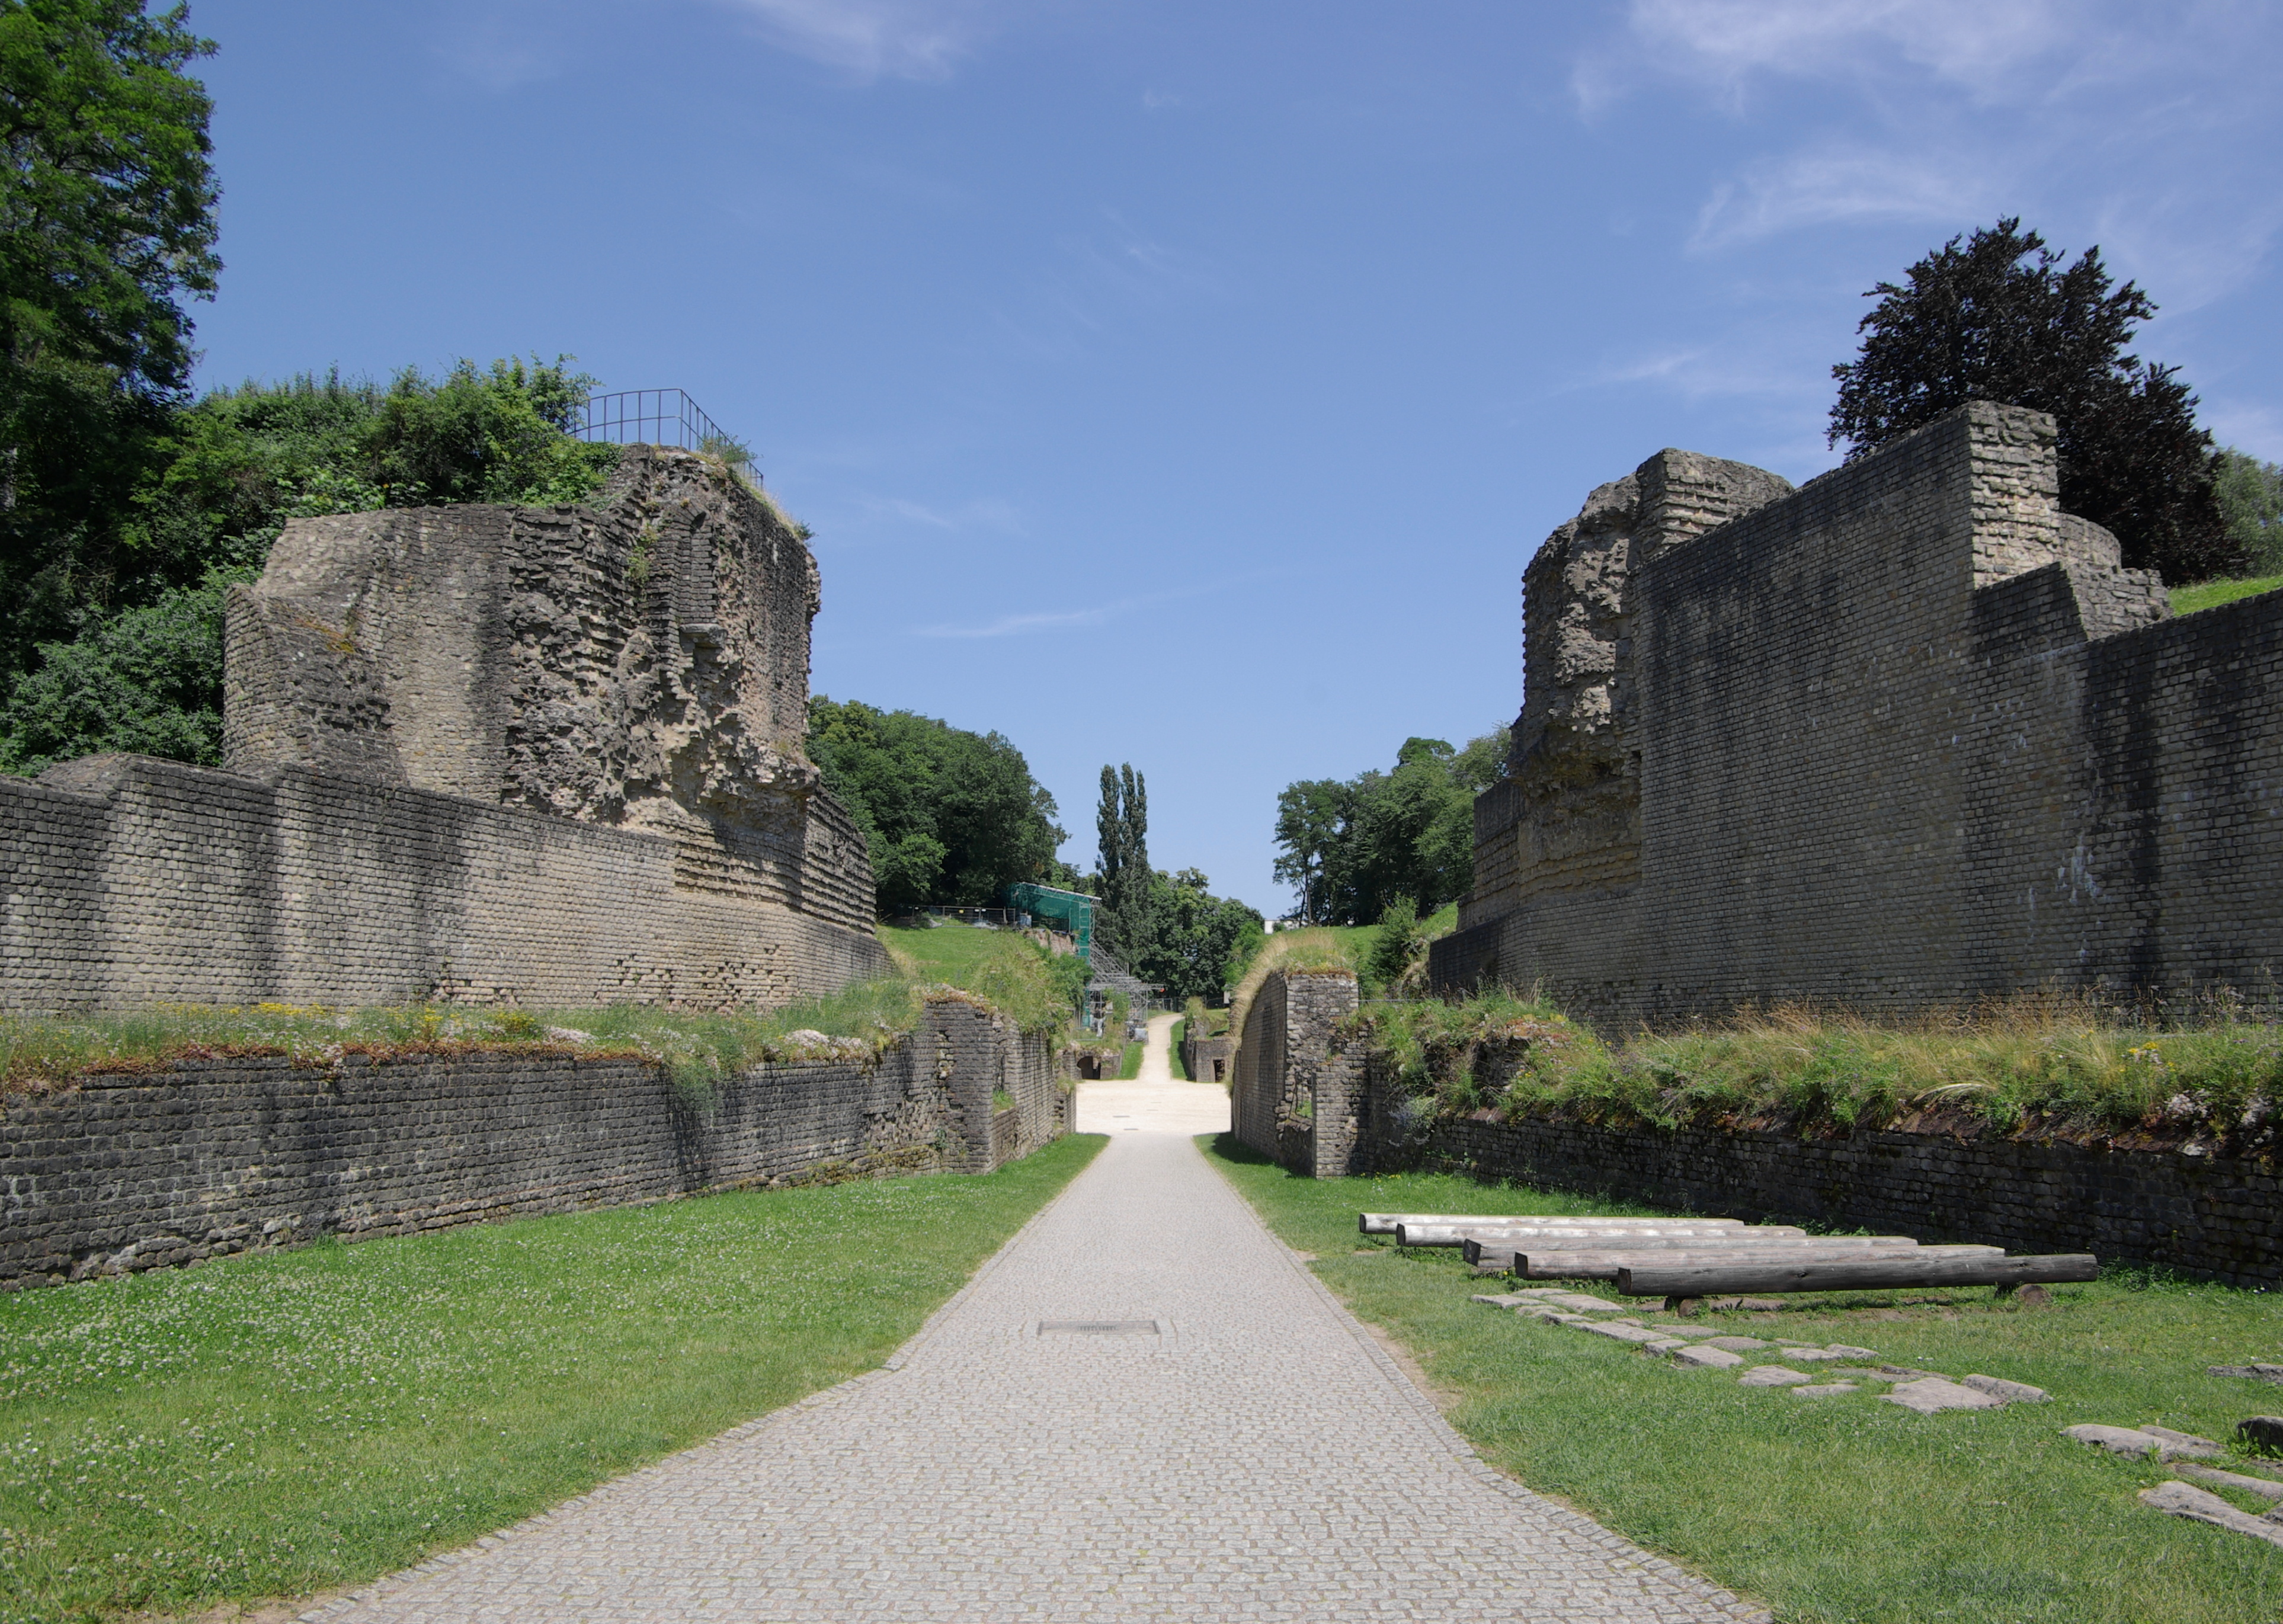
{"points": [[1409, 1234], [1926, 1266], [1719, 1244], [1612, 1265], [1384, 1223]]}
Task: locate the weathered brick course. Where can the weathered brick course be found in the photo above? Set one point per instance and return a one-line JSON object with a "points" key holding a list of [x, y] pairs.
{"points": [[129, 881], [213, 1156], [1905, 736]]}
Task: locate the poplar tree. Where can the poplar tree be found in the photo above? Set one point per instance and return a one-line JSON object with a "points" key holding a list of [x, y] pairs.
{"points": [[1121, 822]]}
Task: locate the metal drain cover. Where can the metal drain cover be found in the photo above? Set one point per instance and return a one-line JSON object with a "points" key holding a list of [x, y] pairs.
{"points": [[1098, 1327]]}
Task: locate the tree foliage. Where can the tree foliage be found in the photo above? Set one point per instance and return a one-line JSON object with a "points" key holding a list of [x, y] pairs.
{"points": [[1350, 847], [218, 481], [1123, 875], [2250, 495], [1998, 317], [1198, 944], [1169, 929], [951, 817], [1399, 945], [106, 230]]}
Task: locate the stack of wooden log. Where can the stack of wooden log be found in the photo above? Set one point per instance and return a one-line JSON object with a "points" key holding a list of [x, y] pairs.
{"points": [[1702, 1258]]}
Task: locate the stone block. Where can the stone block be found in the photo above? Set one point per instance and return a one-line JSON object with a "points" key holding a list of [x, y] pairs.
{"points": [[2134, 1442], [2178, 1499], [1706, 1354], [1773, 1376], [2012, 1392], [1931, 1393]]}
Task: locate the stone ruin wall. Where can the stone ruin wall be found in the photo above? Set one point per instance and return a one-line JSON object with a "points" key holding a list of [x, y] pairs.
{"points": [[1294, 1090], [209, 1157], [1906, 736], [538, 756], [1568, 816]]}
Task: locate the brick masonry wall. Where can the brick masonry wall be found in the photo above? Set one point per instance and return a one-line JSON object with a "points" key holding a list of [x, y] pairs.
{"points": [[1295, 1094], [129, 881], [2200, 1214], [211, 1157], [1907, 737], [1206, 1059]]}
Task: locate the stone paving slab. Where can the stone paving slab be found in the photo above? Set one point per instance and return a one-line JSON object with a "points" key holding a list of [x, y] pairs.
{"points": [[1256, 1457]]}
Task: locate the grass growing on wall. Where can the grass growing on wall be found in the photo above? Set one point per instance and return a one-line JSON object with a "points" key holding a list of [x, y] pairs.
{"points": [[2211, 595], [1019, 977], [695, 1046], [2063, 1064], [1845, 1510], [1003, 970], [295, 1421]]}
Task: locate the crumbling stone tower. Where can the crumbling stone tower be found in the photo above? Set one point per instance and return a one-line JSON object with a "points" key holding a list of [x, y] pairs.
{"points": [[543, 756], [642, 663], [1905, 736]]}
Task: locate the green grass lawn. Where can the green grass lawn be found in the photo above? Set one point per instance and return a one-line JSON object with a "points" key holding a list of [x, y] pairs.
{"points": [[1839, 1511], [950, 953], [1353, 942], [1129, 1064], [2211, 595], [276, 1424], [1173, 1051]]}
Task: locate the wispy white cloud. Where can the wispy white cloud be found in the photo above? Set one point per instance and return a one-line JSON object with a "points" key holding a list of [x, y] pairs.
{"points": [[878, 39], [1097, 277], [1056, 619], [1764, 361], [1981, 45], [1009, 626], [1952, 112], [981, 513], [1846, 184]]}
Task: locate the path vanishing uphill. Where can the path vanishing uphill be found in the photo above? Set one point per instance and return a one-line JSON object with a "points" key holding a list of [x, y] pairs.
{"points": [[1205, 1434]]}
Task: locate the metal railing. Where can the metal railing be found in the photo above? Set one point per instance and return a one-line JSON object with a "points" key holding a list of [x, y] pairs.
{"points": [[662, 418], [1002, 919]]}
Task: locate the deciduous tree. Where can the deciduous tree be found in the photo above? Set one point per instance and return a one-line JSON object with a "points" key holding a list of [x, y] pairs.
{"points": [[1351, 847], [106, 230], [952, 817]]}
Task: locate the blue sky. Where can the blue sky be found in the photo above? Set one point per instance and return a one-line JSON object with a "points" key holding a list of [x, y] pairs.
{"points": [[1188, 383]]}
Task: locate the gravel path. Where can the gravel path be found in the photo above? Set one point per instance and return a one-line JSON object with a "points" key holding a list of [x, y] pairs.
{"points": [[1237, 1449]]}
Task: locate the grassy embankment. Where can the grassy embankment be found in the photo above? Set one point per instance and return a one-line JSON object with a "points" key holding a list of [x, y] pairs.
{"points": [[1346, 947], [1173, 1051], [2058, 1064], [2211, 595], [1840, 1510], [1002, 969], [290, 1422]]}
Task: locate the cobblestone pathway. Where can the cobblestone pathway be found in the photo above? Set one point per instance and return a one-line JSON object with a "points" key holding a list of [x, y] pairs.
{"points": [[1249, 1455]]}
